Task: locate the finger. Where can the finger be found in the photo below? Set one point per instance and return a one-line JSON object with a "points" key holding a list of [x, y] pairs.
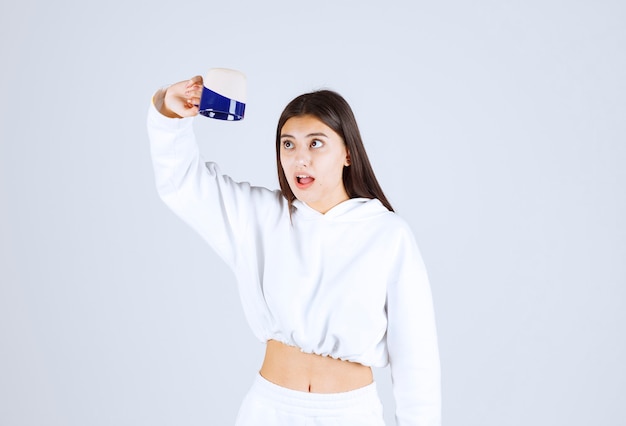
{"points": [[192, 96], [193, 91], [190, 111], [196, 80], [188, 103]]}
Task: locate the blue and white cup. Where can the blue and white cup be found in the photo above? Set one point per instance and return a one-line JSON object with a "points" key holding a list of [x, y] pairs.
{"points": [[224, 94]]}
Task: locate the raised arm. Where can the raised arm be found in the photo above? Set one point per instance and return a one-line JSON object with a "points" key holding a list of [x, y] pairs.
{"points": [[218, 208]]}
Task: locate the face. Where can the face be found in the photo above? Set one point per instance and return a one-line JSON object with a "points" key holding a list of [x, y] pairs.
{"points": [[313, 156]]}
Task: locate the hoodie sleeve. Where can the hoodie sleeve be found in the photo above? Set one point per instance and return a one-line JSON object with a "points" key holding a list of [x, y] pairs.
{"points": [[412, 340], [218, 208]]}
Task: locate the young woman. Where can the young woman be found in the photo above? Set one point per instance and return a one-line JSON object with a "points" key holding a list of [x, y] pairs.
{"points": [[330, 278]]}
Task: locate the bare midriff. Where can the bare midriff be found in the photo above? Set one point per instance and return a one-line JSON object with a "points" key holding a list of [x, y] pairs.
{"points": [[291, 368]]}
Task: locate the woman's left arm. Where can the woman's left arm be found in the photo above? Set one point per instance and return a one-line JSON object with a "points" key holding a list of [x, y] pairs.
{"points": [[412, 340]]}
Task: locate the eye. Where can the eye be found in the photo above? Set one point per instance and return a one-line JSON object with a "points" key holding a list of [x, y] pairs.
{"points": [[317, 143], [287, 144]]}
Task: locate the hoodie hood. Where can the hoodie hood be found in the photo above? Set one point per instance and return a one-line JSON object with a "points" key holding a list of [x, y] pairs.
{"points": [[349, 210]]}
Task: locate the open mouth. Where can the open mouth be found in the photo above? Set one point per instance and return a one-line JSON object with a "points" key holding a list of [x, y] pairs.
{"points": [[304, 181]]}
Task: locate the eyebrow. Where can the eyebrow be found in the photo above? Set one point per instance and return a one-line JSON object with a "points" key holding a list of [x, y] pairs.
{"points": [[285, 135]]}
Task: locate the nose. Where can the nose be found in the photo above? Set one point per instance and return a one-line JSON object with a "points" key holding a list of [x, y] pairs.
{"points": [[303, 157]]}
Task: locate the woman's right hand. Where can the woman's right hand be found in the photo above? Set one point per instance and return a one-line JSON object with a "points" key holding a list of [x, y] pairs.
{"points": [[180, 99]]}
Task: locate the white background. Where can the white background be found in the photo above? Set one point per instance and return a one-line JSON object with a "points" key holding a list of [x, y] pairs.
{"points": [[497, 130]]}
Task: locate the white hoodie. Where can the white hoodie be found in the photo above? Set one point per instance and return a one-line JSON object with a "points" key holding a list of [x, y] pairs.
{"points": [[349, 284]]}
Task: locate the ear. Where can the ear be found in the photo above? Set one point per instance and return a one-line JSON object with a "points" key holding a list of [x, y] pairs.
{"points": [[348, 161]]}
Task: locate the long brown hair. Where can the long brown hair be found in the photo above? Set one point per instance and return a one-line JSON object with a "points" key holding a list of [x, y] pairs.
{"points": [[333, 110]]}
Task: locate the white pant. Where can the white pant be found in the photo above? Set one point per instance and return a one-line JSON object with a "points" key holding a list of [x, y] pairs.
{"points": [[268, 404]]}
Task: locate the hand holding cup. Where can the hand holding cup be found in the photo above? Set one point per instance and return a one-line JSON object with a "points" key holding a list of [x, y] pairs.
{"points": [[221, 95], [180, 99]]}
